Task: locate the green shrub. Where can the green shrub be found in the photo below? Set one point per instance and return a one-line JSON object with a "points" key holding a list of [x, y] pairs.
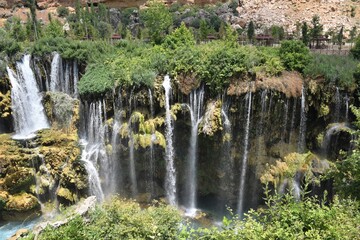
{"points": [[179, 37], [96, 81], [295, 55], [62, 11], [121, 219], [355, 51], [222, 65], [337, 70]]}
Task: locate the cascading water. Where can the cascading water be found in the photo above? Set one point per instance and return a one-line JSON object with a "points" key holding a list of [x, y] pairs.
{"points": [[115, 173], [56, 73], [76, 78], [170, 178], [26, 101], [302, 131], [63, 80], [346, 108], [337, 100], [151, 171], [132, 170], [293, 114], [285, 123], [66, 88], [260, 128], [196, 109], [227, 161], [94, 151], [245, 155]]}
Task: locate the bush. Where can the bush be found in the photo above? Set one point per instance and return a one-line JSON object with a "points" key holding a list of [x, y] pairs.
{"points": [[62, 11], [96, 81], [121, 219], [295, 55], [179, 37], [337, 70], [355, 51]]}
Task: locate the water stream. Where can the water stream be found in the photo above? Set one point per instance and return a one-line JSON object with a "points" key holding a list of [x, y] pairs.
{"points": [[170, 177], [245, 155], [196, 109], [26, 101]]}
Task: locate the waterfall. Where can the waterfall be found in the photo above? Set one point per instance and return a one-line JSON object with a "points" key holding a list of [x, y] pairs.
{"points": [[66, 88], [337, 105], [94, 150], [227, 161], [260, 128], [116, 174], [286, 112], [245, 156], [56, 73], [76, 78], [151, 171], [170, 178], [346, 108], [302, 132], [293, 115], [26, 100], [132, 169], [196, 109]]}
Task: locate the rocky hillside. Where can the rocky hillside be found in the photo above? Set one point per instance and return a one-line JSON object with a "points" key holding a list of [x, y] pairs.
{"points": [[333, 13], [287, 13]]}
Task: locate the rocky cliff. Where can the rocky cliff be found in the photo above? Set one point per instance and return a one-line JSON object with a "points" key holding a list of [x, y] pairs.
{"points": [[333, 13]]}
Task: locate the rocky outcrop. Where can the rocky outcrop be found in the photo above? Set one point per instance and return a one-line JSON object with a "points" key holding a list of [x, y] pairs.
{"points": [[287, 13], [30, 170]]}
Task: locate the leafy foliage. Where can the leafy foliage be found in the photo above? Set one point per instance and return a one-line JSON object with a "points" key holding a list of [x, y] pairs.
{"points": [[337, 70], [282, 218], [96, 81], [62, 11], [346, 172], [121, 219], [295, 55], [355, 51], [71, 49], [157, 19], [179, 37]]}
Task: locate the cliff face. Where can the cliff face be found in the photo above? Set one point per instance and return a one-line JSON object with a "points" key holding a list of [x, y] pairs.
{"points": [[333, 13]]}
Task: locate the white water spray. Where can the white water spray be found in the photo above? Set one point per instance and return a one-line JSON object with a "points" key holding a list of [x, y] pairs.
{"points": [[170, 178], [245, 157], [26, 101]]}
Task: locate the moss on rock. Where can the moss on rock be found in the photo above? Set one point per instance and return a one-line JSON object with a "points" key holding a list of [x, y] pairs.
{"points": [[21, 202]]}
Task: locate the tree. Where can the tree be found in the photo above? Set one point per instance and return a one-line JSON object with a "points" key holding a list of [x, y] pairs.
{"points": [[305, 34], [277, 32], [316, 29], [340, 37], [34, 24], [355, 51], [62, 11], [157, 19], [352, 34], [251, 31], [203, 30], [181, 36], [54, 28], [294, 55], [15, 29]]}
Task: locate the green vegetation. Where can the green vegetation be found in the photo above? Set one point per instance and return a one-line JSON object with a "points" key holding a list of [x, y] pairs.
{"points": [[282, 218], [62, 11], [295, 55], [336, 70], [71, 49], [121, 219], [346, 171]]}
